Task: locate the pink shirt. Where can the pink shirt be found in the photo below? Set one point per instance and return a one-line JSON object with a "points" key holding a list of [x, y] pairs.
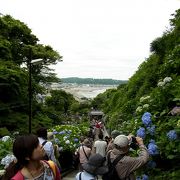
{"points": [[82, 156]]}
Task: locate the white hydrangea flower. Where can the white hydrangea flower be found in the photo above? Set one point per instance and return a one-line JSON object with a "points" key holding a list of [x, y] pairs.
{"points": [[139, 109], [7, 160], [141, 99], [2, 172], [67, 142], [167, 79], [145, 105], [178, 123], [144, 98], [65, 137], [161, 83], [5, 138]]}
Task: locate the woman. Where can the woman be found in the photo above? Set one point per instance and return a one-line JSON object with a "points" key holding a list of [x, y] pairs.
{"points": [[92, 168], [84, 152], [29, 152]]}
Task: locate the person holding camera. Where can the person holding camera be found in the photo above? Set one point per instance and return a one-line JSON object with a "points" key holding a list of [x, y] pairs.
{"points": [[127, 165]]}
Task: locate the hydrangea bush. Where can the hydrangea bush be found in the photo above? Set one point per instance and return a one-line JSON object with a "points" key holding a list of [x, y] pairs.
{"points": [[67, 136], [160, 131], [5, 151]]}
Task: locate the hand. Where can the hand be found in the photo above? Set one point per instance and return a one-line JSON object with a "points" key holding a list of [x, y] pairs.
{"points": [[139, 141]]}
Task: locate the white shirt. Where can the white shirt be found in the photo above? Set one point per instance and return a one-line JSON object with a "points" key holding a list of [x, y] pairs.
{"points": [[85, 176], [100, 146], [48, 147]]}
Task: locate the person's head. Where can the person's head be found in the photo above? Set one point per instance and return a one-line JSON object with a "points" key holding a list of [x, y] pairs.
{"points": [[50, 136], [42, 132], [82, 139], [122, 143], [100, 135], [26, 148], [115, 133], [95, 165], [87, 143]]}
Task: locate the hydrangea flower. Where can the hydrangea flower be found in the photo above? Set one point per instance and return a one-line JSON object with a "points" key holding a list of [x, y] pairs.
{"points": [[141, 132], [5, 138], [151, 164], [167, 79], [146, 118], [151, 130], [62, 132], [153, 148], [67, 142], [139, 109], [144, 98], [7, 160], [76, 140], [65, 137], [145, 177], [178, 123], [161, 83], [172, 135], [145, 105]]}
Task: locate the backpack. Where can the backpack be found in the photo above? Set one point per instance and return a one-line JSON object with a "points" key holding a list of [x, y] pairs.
{"points": [[46, 157], [112, 173]]}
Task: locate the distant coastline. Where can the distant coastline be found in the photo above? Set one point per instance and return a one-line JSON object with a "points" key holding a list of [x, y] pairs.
{"points": [[92, 81]]}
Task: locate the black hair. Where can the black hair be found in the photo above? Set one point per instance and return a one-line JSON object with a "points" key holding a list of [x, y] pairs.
{"points": [[42, 132], [100, 135], [23, 147]]}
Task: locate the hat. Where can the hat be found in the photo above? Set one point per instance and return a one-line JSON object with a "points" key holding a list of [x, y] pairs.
{"points": [[115, 133], [121, 141], [95, 165], [86, 142], [50, 135]]}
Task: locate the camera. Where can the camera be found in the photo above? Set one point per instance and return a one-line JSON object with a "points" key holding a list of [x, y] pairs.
{"points": [[133, 143]]}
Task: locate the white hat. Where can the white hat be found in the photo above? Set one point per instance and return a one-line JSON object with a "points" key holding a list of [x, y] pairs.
{"points": [[121, 141]]}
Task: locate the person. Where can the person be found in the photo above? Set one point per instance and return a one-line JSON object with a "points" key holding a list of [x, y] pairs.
{"points": [[100, 146], [127, 165], [50, 137], [84, 153], [29, 152], [47, 145], [93, 167], [114, 134]]}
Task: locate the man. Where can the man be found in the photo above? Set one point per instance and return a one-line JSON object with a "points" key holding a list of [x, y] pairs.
{"points": [[114, 134], [100, 146], [127, 165]]}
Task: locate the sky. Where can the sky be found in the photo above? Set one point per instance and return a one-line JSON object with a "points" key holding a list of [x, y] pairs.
{"points": [[97, 38]]}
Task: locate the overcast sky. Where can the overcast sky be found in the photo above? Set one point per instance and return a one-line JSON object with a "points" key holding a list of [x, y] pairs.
{"points": [[97, 38]]}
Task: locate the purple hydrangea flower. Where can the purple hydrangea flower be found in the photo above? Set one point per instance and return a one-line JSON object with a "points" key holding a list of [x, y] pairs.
{"points": [[141, 132], [62, 132], [138, 178], [153, 148], [55, 132], [145, 177], [76, 140], [172, 135], [151, 164], [151, 130], [146, 118]]}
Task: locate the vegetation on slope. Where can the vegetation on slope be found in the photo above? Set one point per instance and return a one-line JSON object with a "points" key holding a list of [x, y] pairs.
{"points": [[154, 88]]}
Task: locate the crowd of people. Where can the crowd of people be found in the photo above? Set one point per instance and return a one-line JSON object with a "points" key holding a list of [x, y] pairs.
{"points": [[37, 157], [94, 155]]}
